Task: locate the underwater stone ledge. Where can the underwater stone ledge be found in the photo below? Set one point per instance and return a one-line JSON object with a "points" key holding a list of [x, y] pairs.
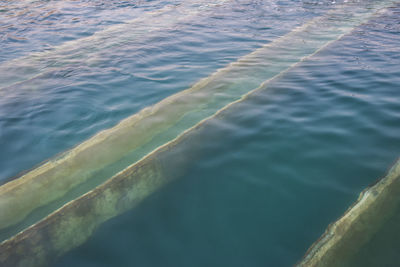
{"points": [[345, 242], [72, 224]]}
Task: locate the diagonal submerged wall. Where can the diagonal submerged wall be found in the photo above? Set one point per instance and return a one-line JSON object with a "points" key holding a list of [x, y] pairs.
{"points": [[73, 223], [345, 242]]}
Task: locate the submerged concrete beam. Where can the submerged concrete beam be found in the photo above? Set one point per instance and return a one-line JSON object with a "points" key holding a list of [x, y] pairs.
{"points": [[344, 240], [72, 224]]}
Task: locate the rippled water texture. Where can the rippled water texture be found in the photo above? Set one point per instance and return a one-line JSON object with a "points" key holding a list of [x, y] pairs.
{"points": [[270, 173], [52, 100], [277, 170]]}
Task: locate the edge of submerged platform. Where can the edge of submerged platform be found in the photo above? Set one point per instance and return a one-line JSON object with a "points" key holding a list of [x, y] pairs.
{"points": [[345, 237]]}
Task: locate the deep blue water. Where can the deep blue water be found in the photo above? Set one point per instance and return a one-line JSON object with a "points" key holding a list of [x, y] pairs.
{"points": [[270, 173]]}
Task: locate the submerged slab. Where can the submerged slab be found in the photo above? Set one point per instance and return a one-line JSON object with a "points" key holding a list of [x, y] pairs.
{"points": [[71, 225], [368, 233]]}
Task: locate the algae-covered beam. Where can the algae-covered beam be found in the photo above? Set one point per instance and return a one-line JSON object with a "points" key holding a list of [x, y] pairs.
{"points": [[343, 242], [74, 223]]}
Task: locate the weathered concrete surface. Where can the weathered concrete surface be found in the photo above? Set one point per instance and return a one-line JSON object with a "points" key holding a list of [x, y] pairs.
{"points": [[365, 228], [74, 223]]}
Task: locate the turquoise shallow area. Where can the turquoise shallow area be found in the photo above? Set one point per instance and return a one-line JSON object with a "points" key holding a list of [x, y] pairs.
{"points": [[269, 174]]}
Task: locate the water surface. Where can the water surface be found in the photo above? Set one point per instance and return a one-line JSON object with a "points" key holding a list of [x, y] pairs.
{"points": [[270, 174]]}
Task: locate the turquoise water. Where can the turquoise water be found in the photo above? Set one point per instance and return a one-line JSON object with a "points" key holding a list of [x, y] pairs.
{"points": [[47, 109], [269, 174]]}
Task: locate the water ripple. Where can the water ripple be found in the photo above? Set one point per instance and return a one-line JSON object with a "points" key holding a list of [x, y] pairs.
{"points": [[275, 169]]}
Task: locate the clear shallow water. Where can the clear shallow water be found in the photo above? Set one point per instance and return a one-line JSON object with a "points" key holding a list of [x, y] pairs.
{"points": [[274, 171]]}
